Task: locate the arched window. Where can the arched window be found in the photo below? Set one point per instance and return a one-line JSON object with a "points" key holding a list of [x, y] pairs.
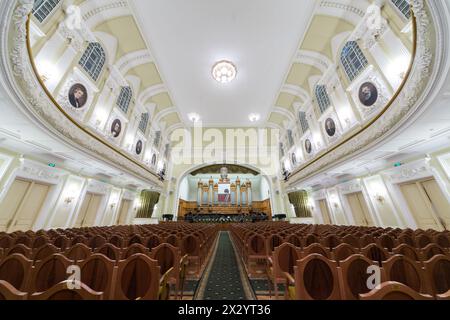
{"points": [[144, 122], [157, 139], [404, 7], [281, 150], [303, 121], [93, 60], [43, 8], [294, 159], [322, 98], [166, 151], [353, 60], [123, 102], [290, 138]]}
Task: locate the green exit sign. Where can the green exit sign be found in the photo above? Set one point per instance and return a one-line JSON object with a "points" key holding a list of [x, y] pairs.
{"points": [[52, 165], [398, 164]]}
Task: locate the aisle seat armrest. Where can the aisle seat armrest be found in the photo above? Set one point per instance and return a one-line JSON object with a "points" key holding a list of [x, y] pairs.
{"points": [[289, 279]]}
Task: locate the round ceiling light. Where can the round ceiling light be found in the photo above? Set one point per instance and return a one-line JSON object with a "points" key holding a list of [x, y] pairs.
{"points": [[253, 117], [224, 71], [194, 117]]}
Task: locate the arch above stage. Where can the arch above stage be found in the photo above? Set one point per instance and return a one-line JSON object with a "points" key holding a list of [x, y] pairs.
{"points": [[224, 189], [232, 168]]}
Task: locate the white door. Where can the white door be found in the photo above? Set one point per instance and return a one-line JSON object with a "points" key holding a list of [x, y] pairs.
{"points": [[359, 209], [30, 207], [325, 212], [83, 210], [12, 201], [123, 212], [22, 205], [420, 206], [92, 210], [438, 201]]}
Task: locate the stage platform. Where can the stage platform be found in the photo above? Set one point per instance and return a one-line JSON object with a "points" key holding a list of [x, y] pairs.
{"points": [[225, 217]]}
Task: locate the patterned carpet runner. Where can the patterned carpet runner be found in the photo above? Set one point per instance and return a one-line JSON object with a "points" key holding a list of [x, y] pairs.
{"points": [[224, 277]]}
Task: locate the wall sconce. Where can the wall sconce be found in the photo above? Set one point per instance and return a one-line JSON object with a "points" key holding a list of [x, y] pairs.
{"points": [[69, 200], [379, 198]]}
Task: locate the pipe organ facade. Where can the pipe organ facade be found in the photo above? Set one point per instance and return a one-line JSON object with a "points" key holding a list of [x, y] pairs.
{"points": [[224, 192]]}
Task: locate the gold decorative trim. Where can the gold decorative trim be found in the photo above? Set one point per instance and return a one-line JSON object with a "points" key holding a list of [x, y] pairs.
{"points": [[61, 109], [380, 114]]}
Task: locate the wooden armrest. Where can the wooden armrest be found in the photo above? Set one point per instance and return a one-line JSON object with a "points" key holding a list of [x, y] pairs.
{"points": [[9, 287], [184, 260], [290, 279], [444, 296], [165, 276]]}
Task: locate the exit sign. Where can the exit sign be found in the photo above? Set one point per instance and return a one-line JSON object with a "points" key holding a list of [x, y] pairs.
{"points": [[52, 165], [398, 164]]}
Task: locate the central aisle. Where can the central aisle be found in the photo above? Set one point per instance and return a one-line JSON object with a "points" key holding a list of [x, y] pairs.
{"points": [[224, 277]]}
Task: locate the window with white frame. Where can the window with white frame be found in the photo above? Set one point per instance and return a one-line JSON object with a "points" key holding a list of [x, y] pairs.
{"points": [[166, 151], [144, 122], [404, 7], [43, 8], [93, 60], [123, 102], [353, 60], [157, 139], [303, 121], [281, 150], [290, 137], [323, 100]]}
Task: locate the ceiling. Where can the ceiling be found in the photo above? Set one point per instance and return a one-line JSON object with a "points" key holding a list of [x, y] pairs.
{"points": [[260, 37]]}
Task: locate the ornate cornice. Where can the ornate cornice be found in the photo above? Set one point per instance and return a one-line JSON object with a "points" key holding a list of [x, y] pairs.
{"points": [[31, 98], [404, 105]]}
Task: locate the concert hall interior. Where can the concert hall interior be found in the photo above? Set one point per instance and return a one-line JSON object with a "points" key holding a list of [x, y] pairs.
{"points": [[224, 150]]}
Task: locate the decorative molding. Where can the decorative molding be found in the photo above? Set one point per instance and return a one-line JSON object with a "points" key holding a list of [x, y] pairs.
{"points": [[369, 36], [409, 172], [151, 92], [98, 187], [164, 113], [284, 112], [444, 161], [350, 187], [296, 91], [25, 89], [133, 59], [343, 10], [99, 11], [313, 58], [37, 172], [129, 195], [409, 100], [319, 195]]}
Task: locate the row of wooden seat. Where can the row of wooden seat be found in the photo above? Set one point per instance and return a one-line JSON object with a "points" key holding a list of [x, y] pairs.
{"points": [[107, 271], [289, 262], [331, 265], [138, 277], [355, 238], [96, 239]]}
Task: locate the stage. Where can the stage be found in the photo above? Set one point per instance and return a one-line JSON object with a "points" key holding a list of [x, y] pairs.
{"points": [[192, 207], [224, 217]]}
